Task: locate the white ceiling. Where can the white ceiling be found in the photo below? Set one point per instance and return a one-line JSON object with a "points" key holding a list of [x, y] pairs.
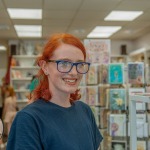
{"points": [[78, 17]]}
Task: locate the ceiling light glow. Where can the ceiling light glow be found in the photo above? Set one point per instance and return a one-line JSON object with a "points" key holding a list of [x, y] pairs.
{"points": [[103, 31], [28, 30], [123, 15], [15, 13]]}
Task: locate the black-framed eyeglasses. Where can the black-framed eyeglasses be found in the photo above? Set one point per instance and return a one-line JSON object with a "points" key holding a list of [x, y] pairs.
{"points": [[65, 66]]}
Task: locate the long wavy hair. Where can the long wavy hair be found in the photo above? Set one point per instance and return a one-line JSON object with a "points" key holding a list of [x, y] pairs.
{"points": [[42, 90]]}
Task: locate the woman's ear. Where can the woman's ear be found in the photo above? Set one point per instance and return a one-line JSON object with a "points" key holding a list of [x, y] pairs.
{"points": [[43, 65]]}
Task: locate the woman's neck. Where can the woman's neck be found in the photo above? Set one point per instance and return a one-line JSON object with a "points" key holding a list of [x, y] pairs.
{"points": [[61, 100]]}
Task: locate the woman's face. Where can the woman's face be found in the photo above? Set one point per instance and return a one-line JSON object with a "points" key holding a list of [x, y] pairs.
{"points": [[64, 83]]}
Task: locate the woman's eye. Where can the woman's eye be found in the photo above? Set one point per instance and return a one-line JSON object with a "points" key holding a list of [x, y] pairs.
{"points": [[81, 65], [65, 64]]}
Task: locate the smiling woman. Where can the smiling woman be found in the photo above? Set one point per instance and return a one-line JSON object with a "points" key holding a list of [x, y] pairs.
{"points": [[56, 120]]}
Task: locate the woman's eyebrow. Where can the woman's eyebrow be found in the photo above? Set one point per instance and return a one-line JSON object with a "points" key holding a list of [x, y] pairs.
{"points": [[66, 59]]}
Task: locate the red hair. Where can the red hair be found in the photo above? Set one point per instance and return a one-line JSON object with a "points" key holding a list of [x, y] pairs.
{"points": [[43, 89], [11, 91]]}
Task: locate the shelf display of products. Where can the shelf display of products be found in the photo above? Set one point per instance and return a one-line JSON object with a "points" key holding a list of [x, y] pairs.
{"points": [[21, 76], [116, 79]]}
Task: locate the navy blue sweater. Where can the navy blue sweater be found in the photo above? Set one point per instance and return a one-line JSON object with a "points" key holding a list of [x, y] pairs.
{"points": [[46, 126]]}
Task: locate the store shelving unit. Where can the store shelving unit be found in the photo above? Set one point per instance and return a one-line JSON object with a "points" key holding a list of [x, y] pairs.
{"points": [[21, 76], [118, 58], [134, 98]]}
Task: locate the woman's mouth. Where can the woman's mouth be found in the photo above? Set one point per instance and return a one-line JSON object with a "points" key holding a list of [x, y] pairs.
{"points": [[70, 81]]}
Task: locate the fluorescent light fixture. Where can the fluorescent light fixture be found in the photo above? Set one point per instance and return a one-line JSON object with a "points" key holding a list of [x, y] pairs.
{"points": [[123, 15], [99, 35], [107, 29], [25, 13], [103, 31], [2, 48], [28, 30], [29, 34]]}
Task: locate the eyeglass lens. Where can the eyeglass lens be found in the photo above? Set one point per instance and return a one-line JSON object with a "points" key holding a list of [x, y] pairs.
{"points": [[65, 66]]}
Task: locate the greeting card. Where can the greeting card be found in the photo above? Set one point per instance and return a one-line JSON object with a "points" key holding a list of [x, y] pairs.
{"points": [[83, 93], [106, 142], [116, 73], [141, 126], [102, 94], [103, 74], [95, 111], [91, 76], [117, 125], [148, 118], [139, 106], [141, 145], [104, 117], [83, 80], [119, 145], [136, 72], [98, 50], [92, 95], [117, 99]]}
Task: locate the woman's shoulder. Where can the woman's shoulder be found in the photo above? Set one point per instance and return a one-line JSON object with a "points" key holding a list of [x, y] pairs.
{"points": [[34, 107], [82, 104]]}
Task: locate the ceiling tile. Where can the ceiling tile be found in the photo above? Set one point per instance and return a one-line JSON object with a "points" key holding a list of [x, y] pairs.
{"points": [[99, 5], [23, 3], [1, 5], [58, 14], [134, 5], [62, 5], [56, 22]]}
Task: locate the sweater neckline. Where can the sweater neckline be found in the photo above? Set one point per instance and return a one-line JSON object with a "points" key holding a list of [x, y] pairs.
{"points": [[61, 107]]}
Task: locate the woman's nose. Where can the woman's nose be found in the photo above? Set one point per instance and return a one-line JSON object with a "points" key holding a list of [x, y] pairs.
{"points": [[73, 70]]}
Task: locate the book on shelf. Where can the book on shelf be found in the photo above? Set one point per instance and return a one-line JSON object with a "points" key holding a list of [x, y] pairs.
{"points": [[117, 99], [136, 72], [117, 125], [98, 50], [116, 73]]}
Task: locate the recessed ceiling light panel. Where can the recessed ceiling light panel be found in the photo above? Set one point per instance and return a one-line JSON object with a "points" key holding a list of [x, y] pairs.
{"points": [[2, 48], [123, 15], [16, 13], [103, 31], [28, 30]]}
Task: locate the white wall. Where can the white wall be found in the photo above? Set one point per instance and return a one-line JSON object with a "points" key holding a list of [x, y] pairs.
{"points": [[116, 46], [142, 42]]}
